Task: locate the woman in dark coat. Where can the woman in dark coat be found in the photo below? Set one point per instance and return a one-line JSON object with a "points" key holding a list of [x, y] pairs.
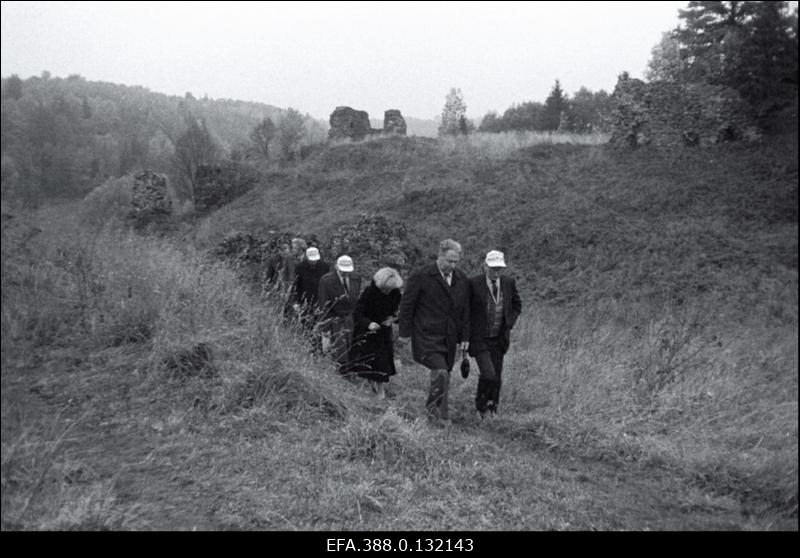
{"points": [[372, 355]]}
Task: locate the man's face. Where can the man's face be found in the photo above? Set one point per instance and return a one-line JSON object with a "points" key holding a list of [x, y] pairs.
{"points": [[286, 249], [345, 274], [448, 261], [493, 272]]}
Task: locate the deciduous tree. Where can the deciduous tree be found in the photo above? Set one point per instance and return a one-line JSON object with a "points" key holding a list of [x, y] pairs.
{"points": [[262, 135], [666, 61], [454, 110], [14, 87], [193, 148], [291, 128]]}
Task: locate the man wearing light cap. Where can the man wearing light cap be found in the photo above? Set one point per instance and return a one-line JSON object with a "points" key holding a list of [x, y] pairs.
{"points": [[338, 294], [494, 308], [305, 294]]}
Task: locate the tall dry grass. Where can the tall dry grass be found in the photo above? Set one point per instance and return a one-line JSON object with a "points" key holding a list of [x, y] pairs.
{"points": [[678, 387], [503, 144], [715, 401], [101, 313]]}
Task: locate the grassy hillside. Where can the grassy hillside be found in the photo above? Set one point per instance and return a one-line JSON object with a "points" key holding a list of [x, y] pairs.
{"points": [[577, 222], [651, 384]]}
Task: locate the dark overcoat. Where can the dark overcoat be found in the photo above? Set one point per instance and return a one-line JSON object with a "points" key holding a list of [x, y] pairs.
{"points": [[336, 312], [479, 312], [334, 302], [373, 352], [306, 283], [435, 315]]}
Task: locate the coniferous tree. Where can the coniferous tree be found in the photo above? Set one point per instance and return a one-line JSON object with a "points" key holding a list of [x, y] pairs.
{"points": [[749, 46], [767, 64], [555, 104], [712, 32]]}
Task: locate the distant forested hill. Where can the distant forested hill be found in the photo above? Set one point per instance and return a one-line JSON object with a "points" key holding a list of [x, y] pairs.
{"points": [[63, 136]]}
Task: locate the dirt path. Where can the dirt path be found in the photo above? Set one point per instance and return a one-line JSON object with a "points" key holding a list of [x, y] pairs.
{"points": [[159, 464]]}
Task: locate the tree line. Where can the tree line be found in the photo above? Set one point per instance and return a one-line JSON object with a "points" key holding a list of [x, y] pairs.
{"points": [[584, 112], [61, 137], [748, 46]]}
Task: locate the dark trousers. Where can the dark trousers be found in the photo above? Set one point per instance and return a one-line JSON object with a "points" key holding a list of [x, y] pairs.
{"points": [[308, 321], [436, 406], [490, 366], [341, 329]]}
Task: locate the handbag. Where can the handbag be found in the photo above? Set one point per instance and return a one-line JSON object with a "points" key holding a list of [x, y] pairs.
{"points": [[465, 367]]}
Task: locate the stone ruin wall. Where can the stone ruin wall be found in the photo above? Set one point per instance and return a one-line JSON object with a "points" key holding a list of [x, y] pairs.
{"points": [[666, 114], [394, 123], [347, 122]]}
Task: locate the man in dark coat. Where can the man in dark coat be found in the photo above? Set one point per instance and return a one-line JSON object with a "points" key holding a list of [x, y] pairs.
{"points": [[276, 265], [494, 308], [434, 312], [305, 294], [338, 294]]}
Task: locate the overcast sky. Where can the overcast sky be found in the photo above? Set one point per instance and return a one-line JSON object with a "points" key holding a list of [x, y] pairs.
{"points": [[315, 56]]}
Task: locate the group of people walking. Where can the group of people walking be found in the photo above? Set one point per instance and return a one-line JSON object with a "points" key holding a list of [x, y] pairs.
{"points": [[441, 313]]}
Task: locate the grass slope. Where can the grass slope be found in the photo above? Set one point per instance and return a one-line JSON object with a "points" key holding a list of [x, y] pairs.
{"points": [[652, 381]]}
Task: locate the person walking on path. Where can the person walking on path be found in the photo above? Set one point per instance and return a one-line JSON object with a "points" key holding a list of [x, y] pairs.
{"points": [[434, 314], [495, 306], [374, 316], [305, 293], [338, 293], [276, 264]]}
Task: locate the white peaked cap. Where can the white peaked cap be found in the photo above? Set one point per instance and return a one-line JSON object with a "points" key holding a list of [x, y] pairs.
{"points": [[495, 259]]}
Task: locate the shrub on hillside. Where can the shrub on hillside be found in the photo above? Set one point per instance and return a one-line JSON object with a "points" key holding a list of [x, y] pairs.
{"points": [[217, 185], [374, 242], [111, 201], [249, 253]]}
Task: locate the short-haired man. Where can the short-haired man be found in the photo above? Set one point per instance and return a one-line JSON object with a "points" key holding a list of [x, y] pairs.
{"points": [[276, 265], [494, 308], [338, 294], [434, 313]]}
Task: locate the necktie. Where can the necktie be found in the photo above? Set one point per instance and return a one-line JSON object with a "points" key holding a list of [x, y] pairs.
{"points": [[494, 289], [448, 279]]}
